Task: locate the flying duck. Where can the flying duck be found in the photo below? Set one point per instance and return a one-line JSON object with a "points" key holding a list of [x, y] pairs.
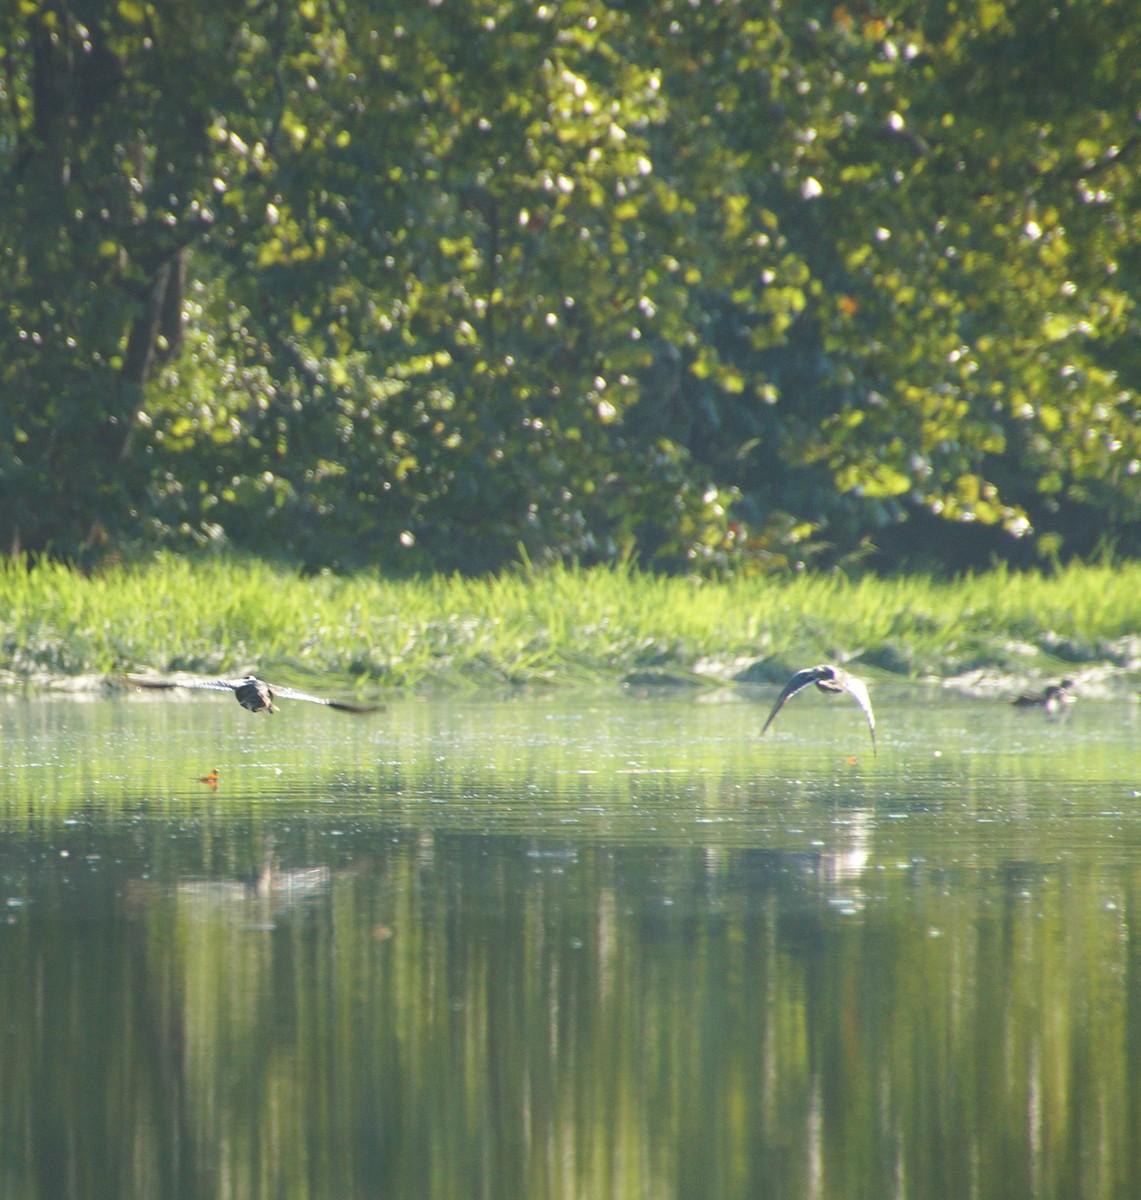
{"points": [[1053, 698], [251, 693], [828, 679]]}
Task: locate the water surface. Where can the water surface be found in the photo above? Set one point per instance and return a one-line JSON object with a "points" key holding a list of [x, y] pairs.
{"points": [[588, 946]]}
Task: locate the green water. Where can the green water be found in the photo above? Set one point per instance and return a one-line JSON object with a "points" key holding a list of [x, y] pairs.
{"points": [[590, 946]]}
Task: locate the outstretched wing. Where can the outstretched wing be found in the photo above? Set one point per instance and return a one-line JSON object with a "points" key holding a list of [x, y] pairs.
{"points": [[797, 683], [342, 705], [150, 681], [858, 690]]}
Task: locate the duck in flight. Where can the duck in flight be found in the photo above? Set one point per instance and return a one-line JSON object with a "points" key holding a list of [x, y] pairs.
{"points": [[251, 693], [1053, 698], [828, 679]]}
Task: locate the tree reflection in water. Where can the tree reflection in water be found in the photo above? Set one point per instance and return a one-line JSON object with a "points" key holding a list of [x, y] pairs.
{"points": [[668, 983]]}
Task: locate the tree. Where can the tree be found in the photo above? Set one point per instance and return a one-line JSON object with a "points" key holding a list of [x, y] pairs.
{"points": [[107, 182], [980, 203], [453, 319], [695, 280]]}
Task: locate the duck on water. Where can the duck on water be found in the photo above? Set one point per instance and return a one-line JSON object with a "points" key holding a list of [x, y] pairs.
{"points": [[1052, 699]]}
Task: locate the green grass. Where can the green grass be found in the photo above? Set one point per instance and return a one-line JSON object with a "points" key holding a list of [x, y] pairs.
{"points": [[563, 625]]}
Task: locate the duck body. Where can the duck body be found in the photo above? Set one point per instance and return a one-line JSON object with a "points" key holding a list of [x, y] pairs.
{"points": [[255, 695], [1052, 699]]}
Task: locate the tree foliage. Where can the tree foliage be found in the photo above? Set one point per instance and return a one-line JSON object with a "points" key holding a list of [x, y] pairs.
{"points": [[710, 282]]}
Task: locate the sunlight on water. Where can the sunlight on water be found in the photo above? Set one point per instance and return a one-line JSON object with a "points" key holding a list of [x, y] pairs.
{"points": [[592, 946]]}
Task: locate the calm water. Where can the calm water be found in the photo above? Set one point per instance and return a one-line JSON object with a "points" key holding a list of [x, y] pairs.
{"points": [[597, 947]]}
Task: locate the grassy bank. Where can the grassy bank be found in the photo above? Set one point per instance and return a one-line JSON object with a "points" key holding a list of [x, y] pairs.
{"points": [[559, 625]]}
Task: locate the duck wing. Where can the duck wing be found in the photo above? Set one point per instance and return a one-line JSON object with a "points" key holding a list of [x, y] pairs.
{"points": [[797, 683], [151, 681], [288, 693], [858, 690]]}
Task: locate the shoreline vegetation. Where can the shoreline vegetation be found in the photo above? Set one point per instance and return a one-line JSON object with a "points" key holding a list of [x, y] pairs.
{"points": [[565, 626]]}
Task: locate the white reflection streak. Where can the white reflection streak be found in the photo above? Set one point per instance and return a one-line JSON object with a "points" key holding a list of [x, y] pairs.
{"points": [[607, 944], [893, 1120], [1034, 1119], [814, 1127], [769, 1065], [844, 868]]}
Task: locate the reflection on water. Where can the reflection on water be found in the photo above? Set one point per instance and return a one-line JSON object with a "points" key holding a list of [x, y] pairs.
{"points": [[561, 947]]}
